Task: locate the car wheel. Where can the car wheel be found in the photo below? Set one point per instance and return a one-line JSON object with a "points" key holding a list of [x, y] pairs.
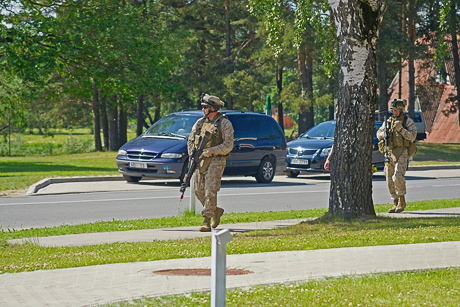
{"points": [[266, 171], [131, 178], [293, 174]]}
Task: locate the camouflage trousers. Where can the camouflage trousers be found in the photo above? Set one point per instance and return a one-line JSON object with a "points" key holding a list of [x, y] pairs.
{"points": [[395, 172], [206, 187]]}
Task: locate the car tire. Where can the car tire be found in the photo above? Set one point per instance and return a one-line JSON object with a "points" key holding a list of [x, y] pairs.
{"points": [[266, 171], [293, 174], [184, 171], [131, 178]]}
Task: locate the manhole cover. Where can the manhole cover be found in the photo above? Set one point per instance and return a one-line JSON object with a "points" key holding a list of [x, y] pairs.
{"points": [[199, 272]]}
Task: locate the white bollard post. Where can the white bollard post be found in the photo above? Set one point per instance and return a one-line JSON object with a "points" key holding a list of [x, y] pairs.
{"points": [[220, 238], [192, 194]]}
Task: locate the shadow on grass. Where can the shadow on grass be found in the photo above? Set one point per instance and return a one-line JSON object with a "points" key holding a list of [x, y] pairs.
{"points": [[379, 222]]}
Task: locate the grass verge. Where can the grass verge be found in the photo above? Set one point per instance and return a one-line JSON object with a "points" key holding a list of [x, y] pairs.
{"points": [[18, 173], [326, 232]]}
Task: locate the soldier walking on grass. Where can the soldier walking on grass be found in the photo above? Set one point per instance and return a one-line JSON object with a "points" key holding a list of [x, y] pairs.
{"points": [[401, 134], [213, 160]]}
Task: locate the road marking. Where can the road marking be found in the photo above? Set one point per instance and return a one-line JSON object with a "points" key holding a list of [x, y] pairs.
{"points": [[155, 197]]}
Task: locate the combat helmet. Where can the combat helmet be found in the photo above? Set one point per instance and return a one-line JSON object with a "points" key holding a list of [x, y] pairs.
{"points": [[212, 101], [398, 104]]}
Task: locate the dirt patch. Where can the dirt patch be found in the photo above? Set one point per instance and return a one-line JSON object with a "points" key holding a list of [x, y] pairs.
{"points": [[13, 193], [199, 272]]}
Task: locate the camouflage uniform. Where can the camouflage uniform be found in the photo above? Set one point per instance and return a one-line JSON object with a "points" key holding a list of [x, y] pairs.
{"points": [[209, 172], [398, 154]]}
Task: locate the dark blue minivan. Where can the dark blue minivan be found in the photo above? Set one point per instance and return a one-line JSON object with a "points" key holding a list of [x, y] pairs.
{"points": [[161, 151]]}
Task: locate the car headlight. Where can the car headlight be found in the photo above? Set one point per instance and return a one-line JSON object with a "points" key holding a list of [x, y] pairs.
{"points": [[121, 152], [325, 152], [171, 155]]}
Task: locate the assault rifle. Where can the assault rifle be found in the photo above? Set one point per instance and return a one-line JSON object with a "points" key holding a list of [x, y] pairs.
{"points": [[194, 159], [387, 137]]}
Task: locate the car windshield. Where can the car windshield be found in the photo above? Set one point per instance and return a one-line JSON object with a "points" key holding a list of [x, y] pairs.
{"points": [[321, 131], [173, 125]]}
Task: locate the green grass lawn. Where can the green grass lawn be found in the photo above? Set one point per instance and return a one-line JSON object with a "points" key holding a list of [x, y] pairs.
{"points": [[436, 154]]}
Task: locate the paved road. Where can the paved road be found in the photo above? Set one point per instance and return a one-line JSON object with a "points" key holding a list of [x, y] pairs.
{"points": [[79, 202]]}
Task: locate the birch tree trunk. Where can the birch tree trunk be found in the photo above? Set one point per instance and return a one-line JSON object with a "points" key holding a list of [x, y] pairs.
{"points": [[358, 23]]}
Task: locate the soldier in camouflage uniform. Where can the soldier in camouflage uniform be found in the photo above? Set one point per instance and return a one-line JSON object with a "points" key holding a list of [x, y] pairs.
{"points": [[402, 131], [213, 160]]}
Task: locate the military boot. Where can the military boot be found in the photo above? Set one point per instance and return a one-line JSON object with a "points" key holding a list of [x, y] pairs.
{"points": [[393, 209], [206, 227], [216, 218], [401, 204]]}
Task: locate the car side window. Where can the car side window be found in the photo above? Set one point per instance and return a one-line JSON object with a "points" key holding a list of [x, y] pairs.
{"points": [[243, 127], [268, 129]]}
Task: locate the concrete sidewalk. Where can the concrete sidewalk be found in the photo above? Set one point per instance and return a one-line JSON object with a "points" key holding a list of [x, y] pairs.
{"points": [[149, 235], [102, 284], [178, 233]]}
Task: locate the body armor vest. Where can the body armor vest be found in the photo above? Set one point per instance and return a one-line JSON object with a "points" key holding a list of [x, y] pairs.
{"points": [[212, 126]]}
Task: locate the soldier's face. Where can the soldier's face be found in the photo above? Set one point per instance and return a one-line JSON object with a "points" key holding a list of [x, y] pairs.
{"points": [[205, 109], [396, 112]]}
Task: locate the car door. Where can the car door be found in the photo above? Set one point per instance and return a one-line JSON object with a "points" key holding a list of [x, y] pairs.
{"points": [[271, 138], [244, 158]]}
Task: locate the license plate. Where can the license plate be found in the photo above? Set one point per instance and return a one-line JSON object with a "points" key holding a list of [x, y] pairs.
{"points": [[300, 161], [142, 165]]}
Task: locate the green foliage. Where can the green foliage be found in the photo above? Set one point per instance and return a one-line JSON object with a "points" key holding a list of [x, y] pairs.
{"points": [[276, 15], [123, 48], [246, 90], [54, 54], [273, 13], [442, 52]]}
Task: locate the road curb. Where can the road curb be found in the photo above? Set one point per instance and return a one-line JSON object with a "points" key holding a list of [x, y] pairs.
{"points": [[47, 181], [33, 189], [433, 167]]}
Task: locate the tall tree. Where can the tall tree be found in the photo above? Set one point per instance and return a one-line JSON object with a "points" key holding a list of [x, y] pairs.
{"points": [[358, 25]]}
